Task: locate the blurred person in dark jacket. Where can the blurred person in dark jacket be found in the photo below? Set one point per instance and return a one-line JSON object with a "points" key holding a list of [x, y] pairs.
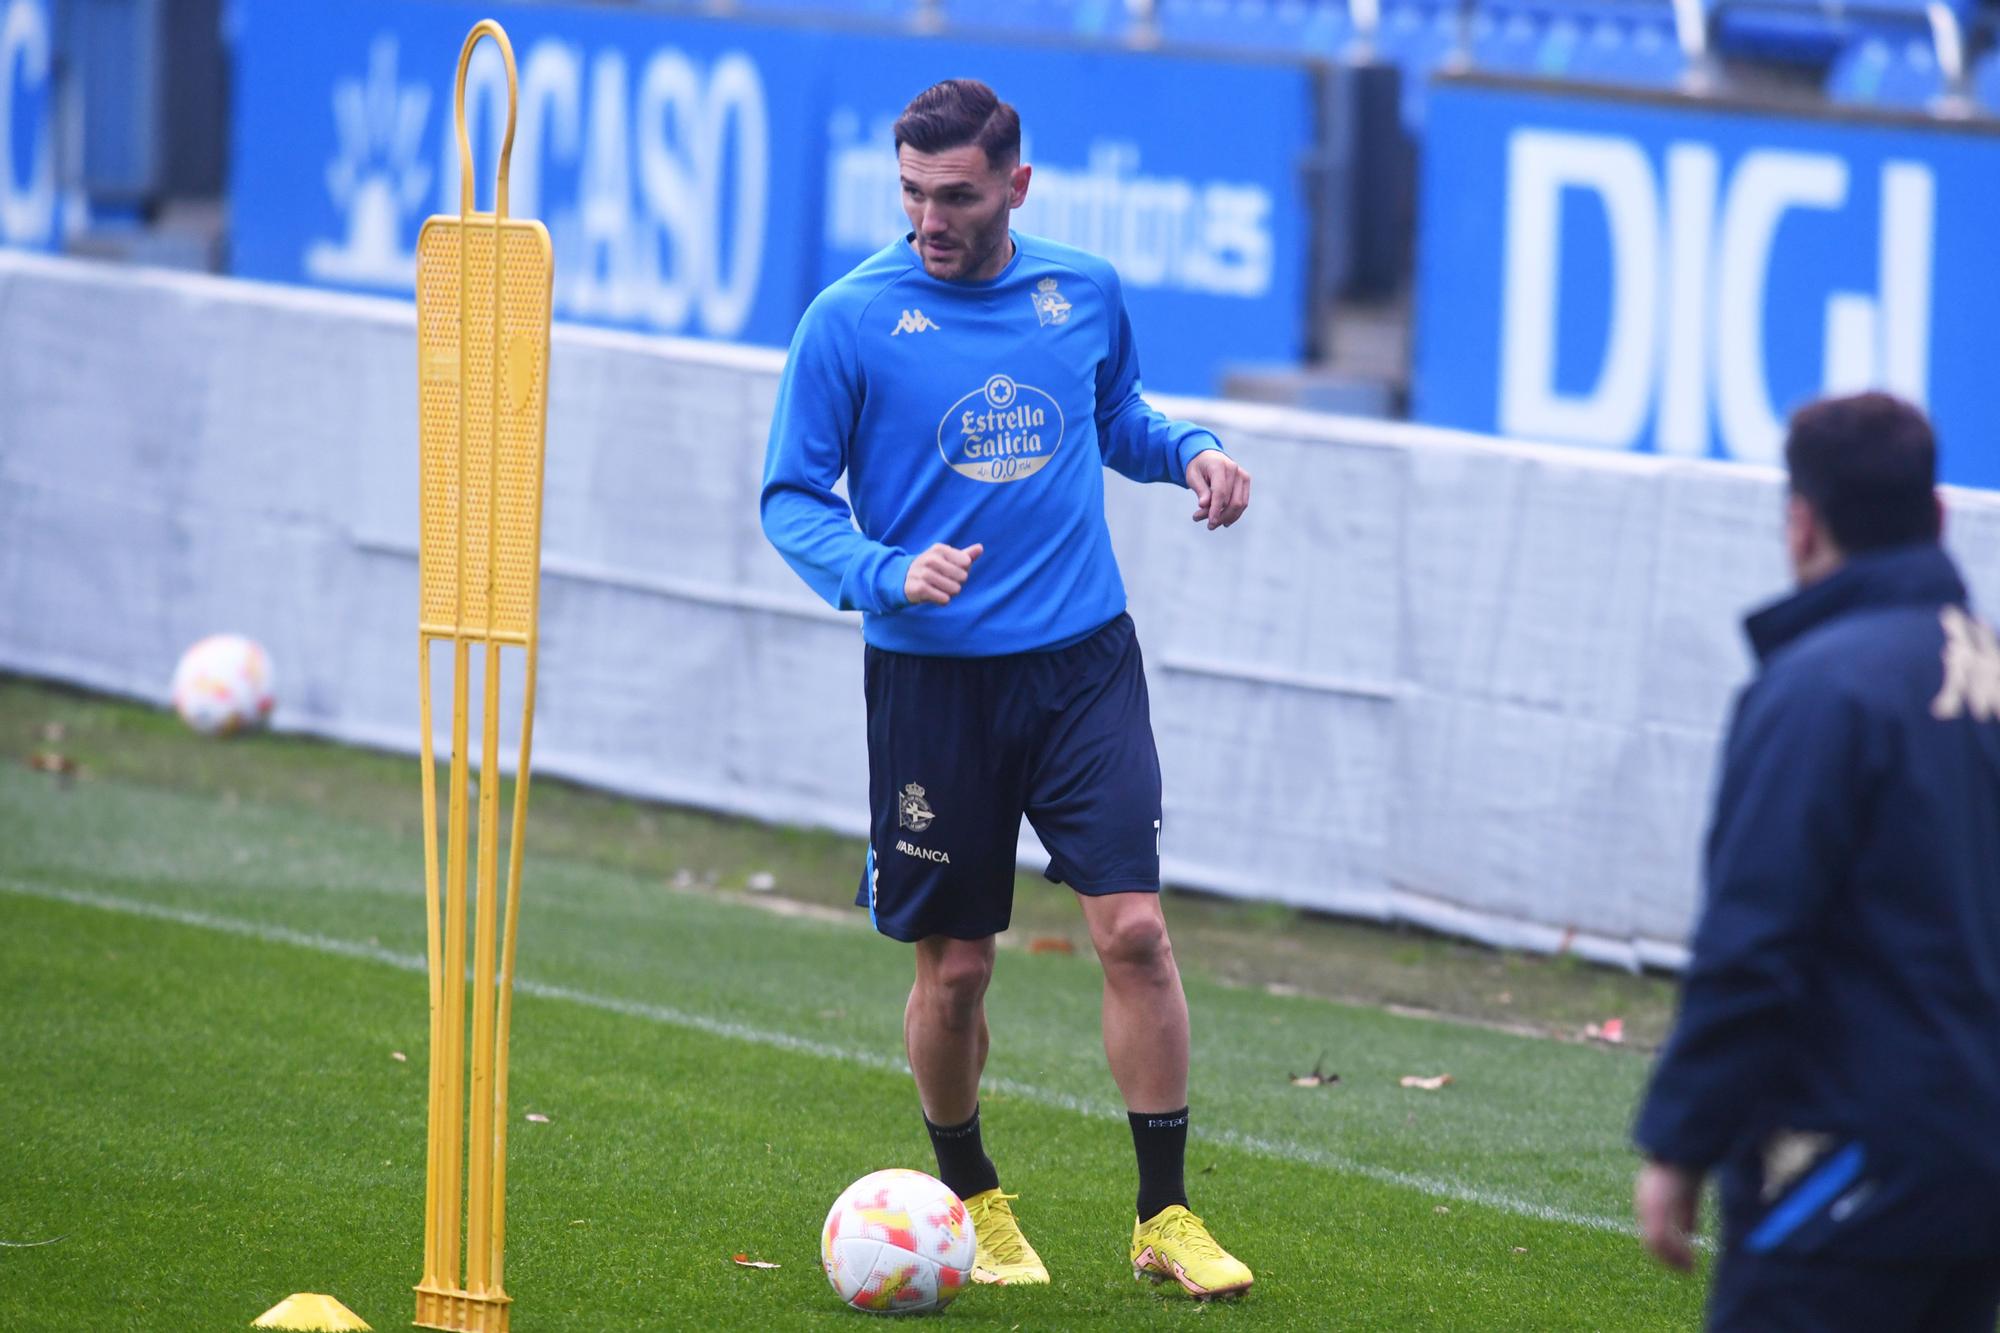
{"points": [[1836, 1058]]}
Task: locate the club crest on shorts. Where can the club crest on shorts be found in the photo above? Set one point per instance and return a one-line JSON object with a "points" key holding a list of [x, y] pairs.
{"points": [[913, 812]]}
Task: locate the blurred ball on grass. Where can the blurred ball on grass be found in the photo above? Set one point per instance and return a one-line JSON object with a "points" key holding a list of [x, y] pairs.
{"points": [[224, 685]]}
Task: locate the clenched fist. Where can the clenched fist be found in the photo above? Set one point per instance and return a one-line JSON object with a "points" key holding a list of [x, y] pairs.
{"points": [[939, 574]]}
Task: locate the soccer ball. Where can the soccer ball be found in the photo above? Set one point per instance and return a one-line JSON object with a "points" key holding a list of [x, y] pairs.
{"points": [[223, 684], [897, 1242]]}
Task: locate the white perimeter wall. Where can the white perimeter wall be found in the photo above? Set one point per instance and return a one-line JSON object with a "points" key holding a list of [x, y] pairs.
{"points": [[1432, 677]]}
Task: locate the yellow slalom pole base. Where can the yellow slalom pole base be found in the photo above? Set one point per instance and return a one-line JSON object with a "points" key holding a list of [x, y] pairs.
{"points": [[310, 1312], [461, 1311]]}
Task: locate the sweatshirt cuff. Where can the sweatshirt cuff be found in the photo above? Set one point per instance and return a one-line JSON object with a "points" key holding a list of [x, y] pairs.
{"points": [[1200, 442], [892, 582]]}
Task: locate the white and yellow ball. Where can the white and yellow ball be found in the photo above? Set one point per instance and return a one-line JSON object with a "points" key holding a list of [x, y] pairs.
{"points": [[897, 1242], [224, 684]]}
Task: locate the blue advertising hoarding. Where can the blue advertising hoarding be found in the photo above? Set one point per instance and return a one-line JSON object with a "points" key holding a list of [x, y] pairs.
{"points": [[28, 197], [1675, 276], [705, 177]]}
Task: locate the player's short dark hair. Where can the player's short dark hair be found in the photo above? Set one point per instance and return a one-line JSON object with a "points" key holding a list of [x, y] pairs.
{"points": [[1867, 464], [958, 112]]}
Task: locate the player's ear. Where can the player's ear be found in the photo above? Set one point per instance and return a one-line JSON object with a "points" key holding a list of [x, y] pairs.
{"points": [[1017, 184]]}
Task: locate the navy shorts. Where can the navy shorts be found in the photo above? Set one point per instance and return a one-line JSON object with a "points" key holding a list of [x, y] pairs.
{"points": [[960, 748], [1775, 1293]]}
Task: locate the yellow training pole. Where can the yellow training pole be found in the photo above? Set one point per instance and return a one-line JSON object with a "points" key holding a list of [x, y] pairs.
{"points": [[483, 304]]}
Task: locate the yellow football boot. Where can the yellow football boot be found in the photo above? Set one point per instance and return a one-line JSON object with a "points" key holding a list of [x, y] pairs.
{"points": [[1004, 1256], [1174, 1244]]}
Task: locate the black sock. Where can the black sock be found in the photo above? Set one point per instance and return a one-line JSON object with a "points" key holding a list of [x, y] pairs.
{"points": [[963, 1165], [1160, 1137]]}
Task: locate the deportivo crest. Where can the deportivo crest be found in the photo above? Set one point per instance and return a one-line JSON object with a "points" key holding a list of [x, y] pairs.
{"points": [[913, 812], [1051, 306], [1003, 430]]}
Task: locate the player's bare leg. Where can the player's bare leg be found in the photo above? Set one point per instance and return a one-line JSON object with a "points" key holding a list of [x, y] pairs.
{"points": [[944, 1034], [944, 1025], [1146, 1042], [1145, 1012]]}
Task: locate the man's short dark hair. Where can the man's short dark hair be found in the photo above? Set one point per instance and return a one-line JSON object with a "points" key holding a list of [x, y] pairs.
{"points": [[958, 112], [1867, 465]]}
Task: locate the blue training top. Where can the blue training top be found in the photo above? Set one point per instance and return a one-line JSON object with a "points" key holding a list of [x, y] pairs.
{"points": [[965, 412]]}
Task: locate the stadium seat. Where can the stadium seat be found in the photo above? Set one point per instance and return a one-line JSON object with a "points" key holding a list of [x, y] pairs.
{"points": [[1986, 82], [1420, 40], [1639, 50], [1314, 27], [1817, 32], [1506, 38], [1083, 18], [1879, 72], [897, 10]]}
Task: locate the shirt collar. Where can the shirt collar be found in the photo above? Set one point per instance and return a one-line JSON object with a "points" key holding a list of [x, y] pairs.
{"points": [[1920, 574]]}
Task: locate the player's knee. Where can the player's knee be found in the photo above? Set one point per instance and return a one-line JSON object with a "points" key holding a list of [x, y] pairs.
{"points": [[953, 978], [1135, 940]]}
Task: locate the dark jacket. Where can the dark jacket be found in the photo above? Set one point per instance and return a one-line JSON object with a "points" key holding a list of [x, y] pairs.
{"points": [[1837, 1051]]}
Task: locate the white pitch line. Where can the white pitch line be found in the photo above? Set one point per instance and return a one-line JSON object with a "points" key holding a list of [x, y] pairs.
{"points": [[1277, 1149]]}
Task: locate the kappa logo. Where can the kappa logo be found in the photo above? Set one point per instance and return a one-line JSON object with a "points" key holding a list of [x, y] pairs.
{"points": [[913, 812], [1051, 306], [1971, 669], [913, 321]]}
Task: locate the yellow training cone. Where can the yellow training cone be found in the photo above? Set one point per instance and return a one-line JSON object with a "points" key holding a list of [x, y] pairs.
{"points": [[309, 1311]]}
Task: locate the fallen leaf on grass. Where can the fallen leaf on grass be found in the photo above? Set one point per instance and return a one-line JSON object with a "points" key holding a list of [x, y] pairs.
{"points": [[1319, 1078], [1520, 1249], [1611, 1030], [745, 1261], [1429, 1084], [1440, 1209], [538, 1117], [399, 1057], [1050, 944]]}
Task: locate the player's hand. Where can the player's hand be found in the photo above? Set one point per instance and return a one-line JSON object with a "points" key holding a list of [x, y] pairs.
{"points": [[1222, 487], [939, 574], [1666, 1198]]}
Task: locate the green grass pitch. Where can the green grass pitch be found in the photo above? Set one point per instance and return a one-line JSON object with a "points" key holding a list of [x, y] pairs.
{"points": [[204, 984]]}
